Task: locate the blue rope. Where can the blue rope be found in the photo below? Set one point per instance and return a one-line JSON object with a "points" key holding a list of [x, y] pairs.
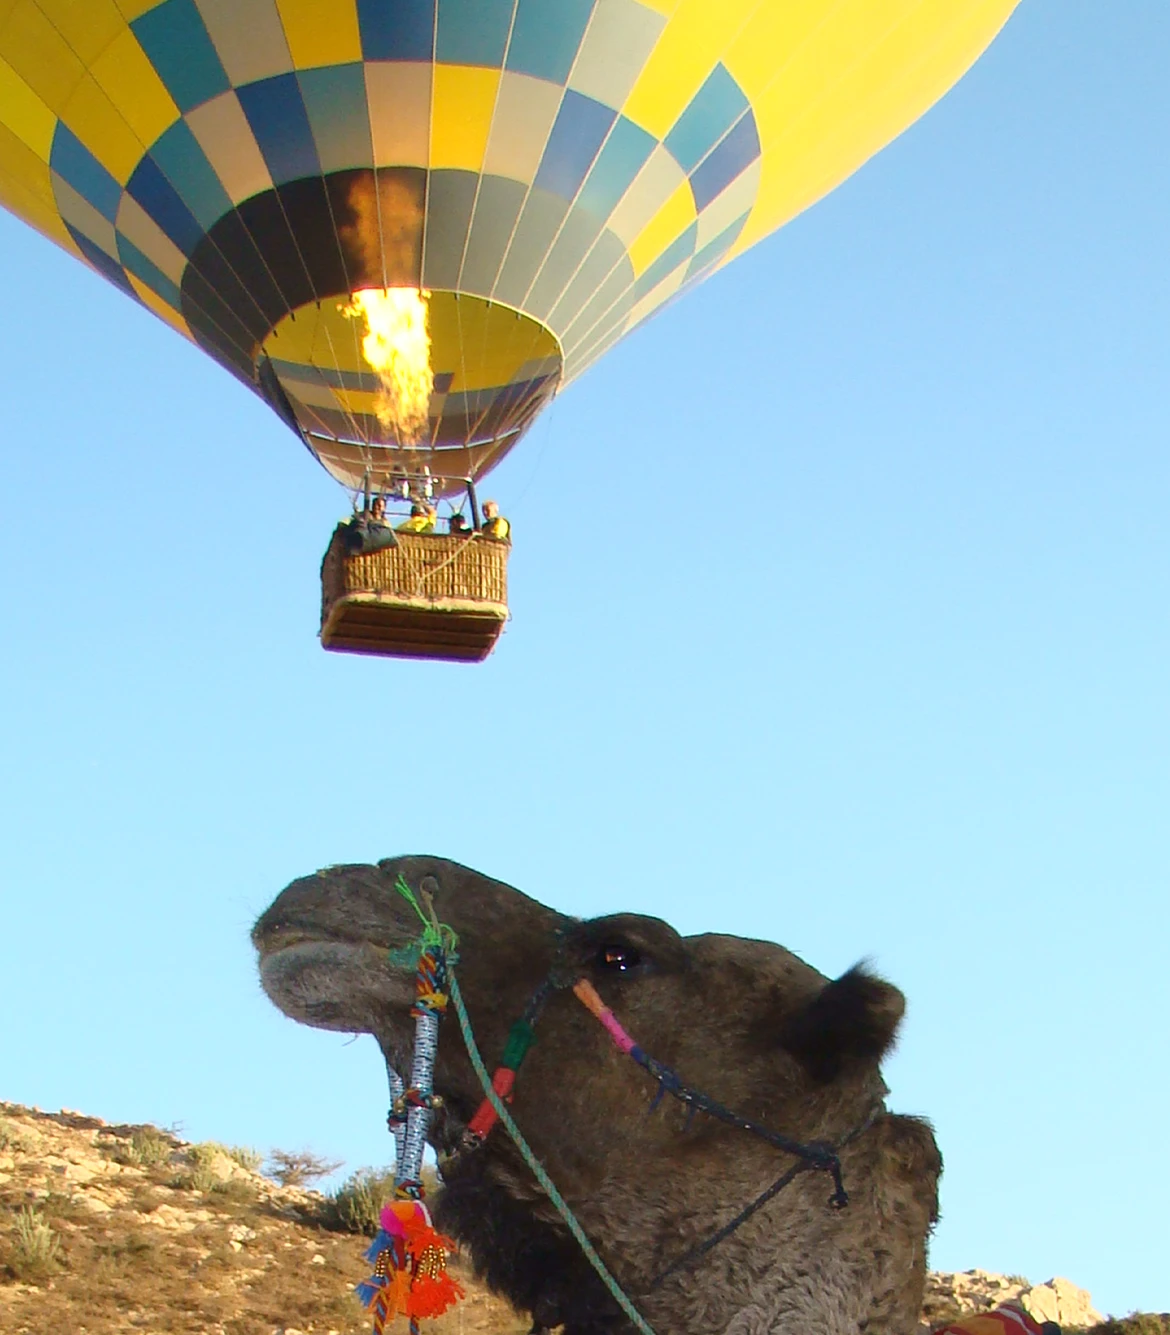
{"points": [[537, 1167]]}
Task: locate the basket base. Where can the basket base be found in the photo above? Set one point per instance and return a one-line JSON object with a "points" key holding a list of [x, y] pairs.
{"points": [[388, 627]]}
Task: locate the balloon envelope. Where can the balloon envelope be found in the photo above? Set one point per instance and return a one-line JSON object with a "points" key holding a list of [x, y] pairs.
{"points": [[549, 171]]}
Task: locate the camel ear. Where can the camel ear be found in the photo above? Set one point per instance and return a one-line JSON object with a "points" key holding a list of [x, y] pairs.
{"points": [[849, 1021]]}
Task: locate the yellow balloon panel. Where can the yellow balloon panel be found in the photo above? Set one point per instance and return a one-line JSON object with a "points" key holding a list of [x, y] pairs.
{"points": [[492, 369], [569, 165]]}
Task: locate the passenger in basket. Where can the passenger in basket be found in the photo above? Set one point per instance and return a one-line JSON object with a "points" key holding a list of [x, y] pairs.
{"points": [[494, 524], [457, 526], [368, 530], [422, 520]]}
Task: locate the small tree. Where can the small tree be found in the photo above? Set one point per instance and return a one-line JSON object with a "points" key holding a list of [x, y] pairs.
{"points": [[297, 1168]]}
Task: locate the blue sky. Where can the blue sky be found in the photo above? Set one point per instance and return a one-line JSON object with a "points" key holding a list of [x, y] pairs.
{"points": [[839, 600]]}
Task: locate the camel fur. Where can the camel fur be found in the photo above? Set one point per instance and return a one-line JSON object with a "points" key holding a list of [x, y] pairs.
{"points": [[745, 1021]]}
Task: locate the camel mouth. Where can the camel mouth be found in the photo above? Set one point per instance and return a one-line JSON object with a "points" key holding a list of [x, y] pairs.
{"points": [[338, 985]]}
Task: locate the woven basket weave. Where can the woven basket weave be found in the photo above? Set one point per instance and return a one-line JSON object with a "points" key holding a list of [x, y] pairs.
{"points": [[432, 596], [433, 566]]}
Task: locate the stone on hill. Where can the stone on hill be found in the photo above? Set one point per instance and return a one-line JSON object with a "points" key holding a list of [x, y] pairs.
{"points": [[972, 1291], [1061, 1301]]}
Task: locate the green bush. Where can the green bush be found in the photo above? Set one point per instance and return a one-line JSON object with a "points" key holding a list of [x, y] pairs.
{"points": [[245, 1156], [200, 1174], [204, 1171], [146, 1148], [358, 1202], [36, 1249], [1137, 1323]]}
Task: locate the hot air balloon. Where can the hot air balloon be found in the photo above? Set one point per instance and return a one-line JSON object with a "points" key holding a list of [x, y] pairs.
{"points": [[407, 224]]}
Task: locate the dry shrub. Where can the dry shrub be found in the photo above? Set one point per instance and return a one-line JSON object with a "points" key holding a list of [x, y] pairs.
{"points": [[297, 1168], [200, 1174], [146, 1148], [237, 1190], [245, 1156], [130, 1248], [204, 1167], [35, 1252]]}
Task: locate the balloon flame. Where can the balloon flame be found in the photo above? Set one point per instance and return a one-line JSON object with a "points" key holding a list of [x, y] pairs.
{"points": [[397, 345]]}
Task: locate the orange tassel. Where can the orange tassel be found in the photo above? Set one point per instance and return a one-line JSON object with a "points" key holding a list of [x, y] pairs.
{"points": [[421, 1286], [393, 1300], [432, 1290]]}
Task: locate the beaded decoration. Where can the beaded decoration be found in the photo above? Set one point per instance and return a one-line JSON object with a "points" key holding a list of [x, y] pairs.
{"points": [[409, 1257], [521, 1037]]}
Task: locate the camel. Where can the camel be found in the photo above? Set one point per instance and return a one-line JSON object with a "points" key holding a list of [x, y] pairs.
{"points": [[746, 1021]]}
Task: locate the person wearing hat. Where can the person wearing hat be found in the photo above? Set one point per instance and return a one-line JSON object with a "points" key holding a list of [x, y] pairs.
{"points": [[494, 524], [422, 519]]}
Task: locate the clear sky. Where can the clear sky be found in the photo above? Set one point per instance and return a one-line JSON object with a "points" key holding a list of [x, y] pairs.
{"points": [[840, 618]]}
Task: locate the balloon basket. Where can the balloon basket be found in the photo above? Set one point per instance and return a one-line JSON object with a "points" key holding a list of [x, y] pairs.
{"points": [[432, 596]]}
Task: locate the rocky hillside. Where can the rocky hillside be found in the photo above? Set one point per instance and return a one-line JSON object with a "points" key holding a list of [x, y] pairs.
{"points": [[108, 1229], [953, 1295]]}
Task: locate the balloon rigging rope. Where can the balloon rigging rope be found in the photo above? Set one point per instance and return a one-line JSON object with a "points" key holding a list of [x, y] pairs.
{"points": [[357, 435], [462, 355], [562, 1206]]}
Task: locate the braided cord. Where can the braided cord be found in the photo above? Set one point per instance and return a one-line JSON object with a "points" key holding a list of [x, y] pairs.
{"points": [[537, 1167]]}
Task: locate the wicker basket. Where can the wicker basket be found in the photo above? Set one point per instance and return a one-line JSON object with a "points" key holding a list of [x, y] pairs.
{"points": [[433, 596]]}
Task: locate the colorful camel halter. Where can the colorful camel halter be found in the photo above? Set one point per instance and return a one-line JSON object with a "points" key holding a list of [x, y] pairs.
{"points": [[410, 1259]]}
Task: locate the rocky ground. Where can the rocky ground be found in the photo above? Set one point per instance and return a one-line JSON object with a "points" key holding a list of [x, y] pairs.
{"points": [[952, 1295], [113, 1229]]}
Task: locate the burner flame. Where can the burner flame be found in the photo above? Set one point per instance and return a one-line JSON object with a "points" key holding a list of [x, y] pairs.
{"points": [[397, 345]]}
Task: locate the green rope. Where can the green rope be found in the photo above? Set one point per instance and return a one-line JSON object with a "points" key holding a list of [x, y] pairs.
{"points": [[538, 1168], [439, 935], [434, 933]]}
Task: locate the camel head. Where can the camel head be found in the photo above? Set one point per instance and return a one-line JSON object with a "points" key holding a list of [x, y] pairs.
{"points": [[745, 1021]]}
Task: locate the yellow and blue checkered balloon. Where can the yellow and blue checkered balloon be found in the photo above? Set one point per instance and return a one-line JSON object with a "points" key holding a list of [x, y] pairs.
{"points": [[551, 171]]}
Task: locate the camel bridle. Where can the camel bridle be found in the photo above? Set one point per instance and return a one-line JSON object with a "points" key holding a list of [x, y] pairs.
{"points": [[412, 1105]]}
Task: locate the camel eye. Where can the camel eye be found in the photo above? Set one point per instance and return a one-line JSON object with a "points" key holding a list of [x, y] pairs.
{"points": [[616, 958]]}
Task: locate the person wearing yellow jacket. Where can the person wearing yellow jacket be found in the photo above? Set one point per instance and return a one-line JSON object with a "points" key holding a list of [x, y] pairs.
{"points": [[422, 520], [494, 524]]}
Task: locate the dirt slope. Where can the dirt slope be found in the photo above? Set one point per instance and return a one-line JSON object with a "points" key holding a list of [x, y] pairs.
{"points": [[189, 1241], [112, 1229]]}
